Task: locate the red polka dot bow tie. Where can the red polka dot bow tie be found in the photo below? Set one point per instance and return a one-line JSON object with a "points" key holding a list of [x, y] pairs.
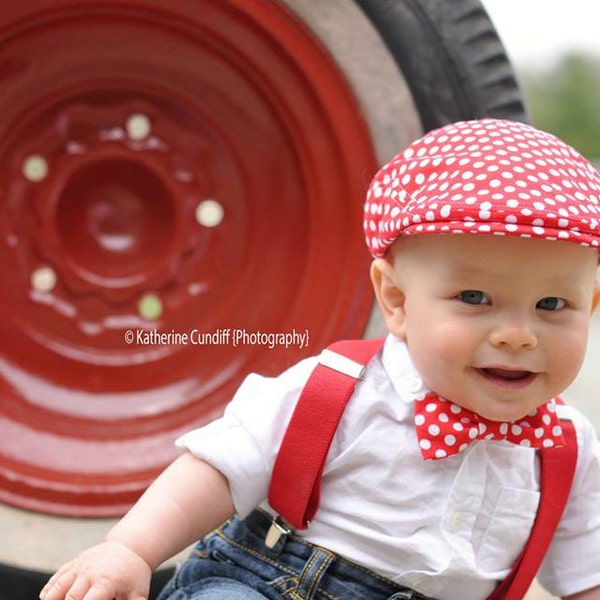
{"points": [[444, 428]]}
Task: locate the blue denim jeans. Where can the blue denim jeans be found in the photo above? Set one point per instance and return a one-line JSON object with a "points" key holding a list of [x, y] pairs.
{"points": [[233, 563]]}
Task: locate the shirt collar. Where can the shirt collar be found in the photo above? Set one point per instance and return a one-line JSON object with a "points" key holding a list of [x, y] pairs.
{"points": [[403, 374]]}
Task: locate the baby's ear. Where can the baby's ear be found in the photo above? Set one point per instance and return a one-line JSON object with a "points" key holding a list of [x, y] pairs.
{"points": [[389, 296], [596, 298]]}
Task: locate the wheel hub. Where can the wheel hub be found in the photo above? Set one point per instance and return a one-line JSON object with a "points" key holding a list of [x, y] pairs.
{"points": [[198, 167]]}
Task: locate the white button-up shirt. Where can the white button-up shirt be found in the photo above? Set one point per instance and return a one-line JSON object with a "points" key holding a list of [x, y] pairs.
{"points": [[448, 528]]}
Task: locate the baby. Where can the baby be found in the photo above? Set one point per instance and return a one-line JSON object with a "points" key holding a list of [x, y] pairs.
{"points": [[485, 240]]}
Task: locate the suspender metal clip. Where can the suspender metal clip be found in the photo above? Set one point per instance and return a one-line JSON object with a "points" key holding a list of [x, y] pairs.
{"points": [[278, 528]]}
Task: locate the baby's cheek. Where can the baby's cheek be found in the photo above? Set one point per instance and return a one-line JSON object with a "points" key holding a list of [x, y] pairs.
{"points": [[438, 363]]}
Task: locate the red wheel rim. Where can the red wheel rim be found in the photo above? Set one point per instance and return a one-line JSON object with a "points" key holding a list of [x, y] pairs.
{"points": [[207, 160]]}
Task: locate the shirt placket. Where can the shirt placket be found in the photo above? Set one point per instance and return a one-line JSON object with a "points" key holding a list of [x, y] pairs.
{"points": [[463, 504]]}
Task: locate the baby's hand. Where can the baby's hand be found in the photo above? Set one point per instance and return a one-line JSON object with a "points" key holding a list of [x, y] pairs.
{"points": [[109, 570]]}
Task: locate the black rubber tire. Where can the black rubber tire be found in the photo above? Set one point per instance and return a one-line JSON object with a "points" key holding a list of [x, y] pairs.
{"points": [[452, 58]]}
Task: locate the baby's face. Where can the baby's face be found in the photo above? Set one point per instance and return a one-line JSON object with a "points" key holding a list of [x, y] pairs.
{"points": [[496, 324]]}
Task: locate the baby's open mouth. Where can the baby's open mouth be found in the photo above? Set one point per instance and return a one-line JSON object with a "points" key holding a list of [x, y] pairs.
{"points": [[515, 379], [507, 374]]}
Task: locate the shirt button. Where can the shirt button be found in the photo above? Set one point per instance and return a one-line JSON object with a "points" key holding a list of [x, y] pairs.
{"points": [[455, 522], [414, 384]]}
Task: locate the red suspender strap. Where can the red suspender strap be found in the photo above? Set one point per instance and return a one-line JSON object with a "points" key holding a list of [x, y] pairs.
{"points": [[557, 472], [296, 480]]}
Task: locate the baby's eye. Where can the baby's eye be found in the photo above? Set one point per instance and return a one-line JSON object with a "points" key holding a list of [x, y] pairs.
{"points": [[473, 297], [551, 303]]}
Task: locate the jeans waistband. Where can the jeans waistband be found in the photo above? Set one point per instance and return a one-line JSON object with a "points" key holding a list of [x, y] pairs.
{"points": [[313, 565]]}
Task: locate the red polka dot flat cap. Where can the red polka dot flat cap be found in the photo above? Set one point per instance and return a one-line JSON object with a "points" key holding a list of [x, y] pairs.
{"points": [[488, 176]]}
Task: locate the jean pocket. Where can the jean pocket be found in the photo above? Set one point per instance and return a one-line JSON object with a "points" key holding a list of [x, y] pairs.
{"points": [[508, 530]]}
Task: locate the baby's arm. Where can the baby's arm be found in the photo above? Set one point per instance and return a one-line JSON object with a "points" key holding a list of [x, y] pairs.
{"points": [[189, 499], [591, 594]]}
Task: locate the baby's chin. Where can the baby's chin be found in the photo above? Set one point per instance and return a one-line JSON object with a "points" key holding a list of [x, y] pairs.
{"points": [[507, 414], [501, 411]]}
